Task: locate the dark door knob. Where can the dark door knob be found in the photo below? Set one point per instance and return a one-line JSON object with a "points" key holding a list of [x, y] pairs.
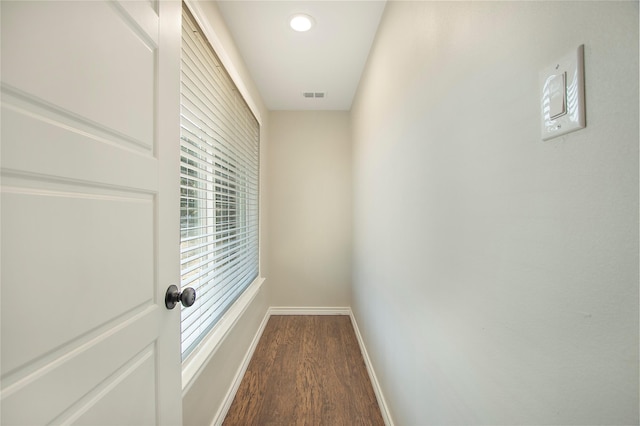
{"points": [[187, 297]]}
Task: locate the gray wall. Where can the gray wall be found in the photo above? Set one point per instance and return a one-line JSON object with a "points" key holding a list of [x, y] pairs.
{"points": [[496, 275], [309, 219]]}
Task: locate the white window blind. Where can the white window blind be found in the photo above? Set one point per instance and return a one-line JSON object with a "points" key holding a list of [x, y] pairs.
{"points": [[219, 144]]}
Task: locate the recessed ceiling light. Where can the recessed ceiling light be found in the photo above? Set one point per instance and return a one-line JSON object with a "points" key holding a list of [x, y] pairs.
{"points": [[301, 22]]}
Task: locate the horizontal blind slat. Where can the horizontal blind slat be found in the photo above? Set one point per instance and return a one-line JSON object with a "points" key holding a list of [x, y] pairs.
{"points": [[225, 281], [211, 296], [209, 259]]}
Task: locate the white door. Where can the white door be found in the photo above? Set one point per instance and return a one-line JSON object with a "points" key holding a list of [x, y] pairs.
{"points": [[90, 213]]}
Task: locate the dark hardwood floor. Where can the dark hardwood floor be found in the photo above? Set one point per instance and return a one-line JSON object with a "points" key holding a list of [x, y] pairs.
{"points": [[306, 370]]}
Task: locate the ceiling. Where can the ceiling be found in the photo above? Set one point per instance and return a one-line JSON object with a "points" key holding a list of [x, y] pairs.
{"points": [[284, 63]]}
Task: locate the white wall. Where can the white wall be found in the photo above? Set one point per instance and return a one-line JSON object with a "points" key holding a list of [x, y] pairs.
{"points": [[496, 275], [309, 218], [206, 395]]}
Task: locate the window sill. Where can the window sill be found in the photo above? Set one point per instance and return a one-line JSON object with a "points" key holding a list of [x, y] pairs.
{"points": [[193, 365]]}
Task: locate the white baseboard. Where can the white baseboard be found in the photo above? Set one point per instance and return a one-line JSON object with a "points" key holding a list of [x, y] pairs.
{"points": [[291, 310], [382, 403], [237, 379], [309, 310]]}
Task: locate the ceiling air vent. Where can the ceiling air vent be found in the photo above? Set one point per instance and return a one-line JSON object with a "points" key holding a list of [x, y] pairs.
{"points": [[314, 94]]}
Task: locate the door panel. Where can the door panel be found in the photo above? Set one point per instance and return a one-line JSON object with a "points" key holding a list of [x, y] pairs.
{"points": [[84, 58], [138, 409], [79, 274], [76, 378], [90, 131]]}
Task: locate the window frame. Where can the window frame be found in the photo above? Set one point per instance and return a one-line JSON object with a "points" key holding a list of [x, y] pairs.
{"points": [[200, 356]]}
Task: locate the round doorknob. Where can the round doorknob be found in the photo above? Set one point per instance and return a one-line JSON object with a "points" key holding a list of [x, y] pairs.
{"points": [[187, 297]]}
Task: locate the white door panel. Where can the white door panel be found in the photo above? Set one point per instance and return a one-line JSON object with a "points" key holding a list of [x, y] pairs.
{"points": [[90, 221], [83, 57], [78, 273], [138, 409], [74, 379]]}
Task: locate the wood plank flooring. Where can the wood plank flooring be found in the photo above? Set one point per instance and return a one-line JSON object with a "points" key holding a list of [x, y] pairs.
{"points": [[306, 370]]}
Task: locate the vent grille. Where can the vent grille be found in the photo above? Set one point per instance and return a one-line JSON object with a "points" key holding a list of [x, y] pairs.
{"points": [[314, 94]]}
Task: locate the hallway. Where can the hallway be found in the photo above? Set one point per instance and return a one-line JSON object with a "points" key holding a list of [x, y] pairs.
{"points": [[373, 219]]}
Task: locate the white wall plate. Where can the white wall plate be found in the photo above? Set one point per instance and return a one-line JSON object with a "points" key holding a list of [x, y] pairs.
{"points": [[562, 95]]}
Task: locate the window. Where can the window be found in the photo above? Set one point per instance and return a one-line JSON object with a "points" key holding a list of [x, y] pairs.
{"points": [[219, 169]]}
